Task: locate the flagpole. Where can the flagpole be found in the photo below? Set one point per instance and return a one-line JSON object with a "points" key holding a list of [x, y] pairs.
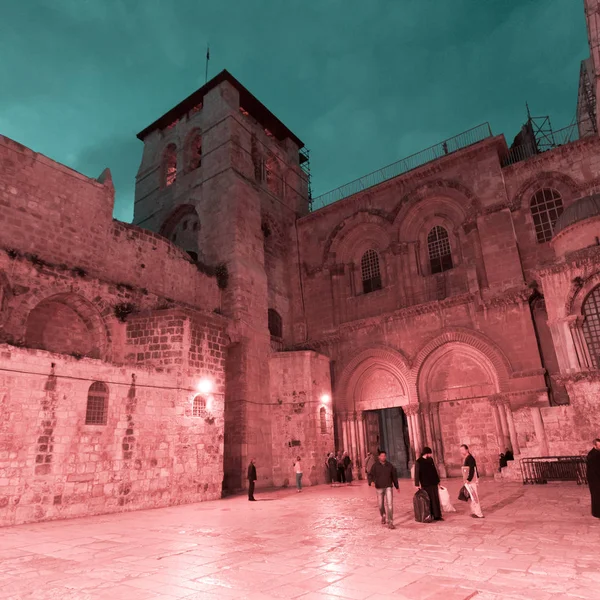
{"points": [[207, 59]]}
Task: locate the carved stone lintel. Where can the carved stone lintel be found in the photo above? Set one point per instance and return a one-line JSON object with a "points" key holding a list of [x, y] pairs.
{"points": [[498, 399], [411, 409]]}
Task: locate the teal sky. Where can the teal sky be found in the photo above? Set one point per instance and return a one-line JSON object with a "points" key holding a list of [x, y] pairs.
{"points": [[362, 82]]}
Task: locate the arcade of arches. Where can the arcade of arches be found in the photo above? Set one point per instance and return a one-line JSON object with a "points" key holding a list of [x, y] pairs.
{"points": [[452, 397]]}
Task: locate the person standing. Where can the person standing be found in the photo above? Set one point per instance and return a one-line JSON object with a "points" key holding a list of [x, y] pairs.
{"points": [[251, 479], [428, 479], [471, 480], [341, 471], [348, 468], [593, 477], [332, 466], [383, 474], [298, 469]]}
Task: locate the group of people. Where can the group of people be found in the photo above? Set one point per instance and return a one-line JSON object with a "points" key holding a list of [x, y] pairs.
{"points": [[338, 468], [383, 474]]}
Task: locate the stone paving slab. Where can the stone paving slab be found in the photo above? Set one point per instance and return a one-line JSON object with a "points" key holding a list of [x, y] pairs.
{"points": [[536, 543]]}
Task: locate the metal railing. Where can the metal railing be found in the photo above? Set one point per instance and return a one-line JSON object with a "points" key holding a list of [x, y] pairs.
{"points": [[554, 468], [458, 142], [553, 140]]}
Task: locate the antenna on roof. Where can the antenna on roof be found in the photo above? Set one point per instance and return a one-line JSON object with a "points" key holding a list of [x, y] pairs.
{"points": [[207, 59]]}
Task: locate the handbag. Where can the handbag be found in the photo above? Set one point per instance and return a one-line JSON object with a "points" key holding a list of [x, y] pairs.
{"points": [[464, 494], [445, 503]]}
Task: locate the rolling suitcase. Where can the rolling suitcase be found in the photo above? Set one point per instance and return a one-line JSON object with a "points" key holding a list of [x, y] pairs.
{"points": [[422, 507]]}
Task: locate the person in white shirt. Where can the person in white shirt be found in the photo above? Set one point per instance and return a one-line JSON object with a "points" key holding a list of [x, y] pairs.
{"points": [[298, 469]]}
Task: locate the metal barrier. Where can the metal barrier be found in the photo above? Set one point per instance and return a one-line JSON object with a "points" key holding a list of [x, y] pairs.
{"points": [[458, 142], [554, 468]]}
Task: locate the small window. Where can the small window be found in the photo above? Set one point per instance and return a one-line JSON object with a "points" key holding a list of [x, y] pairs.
{"points": [[591, 325], [199, 408], [371, 275], [194, 152], [323, 419], [546, 206], [97, 404], [184, 225], [170, 165], [275, 324], [438, 245], [195, 226]]}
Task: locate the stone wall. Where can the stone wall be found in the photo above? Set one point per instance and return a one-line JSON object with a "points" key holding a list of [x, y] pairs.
{"points": [[302, 417], [151, 452]]}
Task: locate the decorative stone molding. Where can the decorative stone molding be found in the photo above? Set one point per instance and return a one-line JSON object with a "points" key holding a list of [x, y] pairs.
{"points": [[530, 373], [411, 409], [498, 399]]}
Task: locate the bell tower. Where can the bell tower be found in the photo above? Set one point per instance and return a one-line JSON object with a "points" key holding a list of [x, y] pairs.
{"points": [[221, 178]]}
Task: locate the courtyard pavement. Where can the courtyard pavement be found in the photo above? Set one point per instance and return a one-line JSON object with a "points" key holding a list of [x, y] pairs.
{"points": [[536, 543]]}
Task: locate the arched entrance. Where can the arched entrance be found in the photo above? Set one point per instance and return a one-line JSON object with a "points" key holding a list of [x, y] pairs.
{"points": [[370, 403], [455, 384]]}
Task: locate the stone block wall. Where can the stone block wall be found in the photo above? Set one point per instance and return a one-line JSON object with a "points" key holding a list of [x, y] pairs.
{"points": [[302, 418], [469, 422], [151, 452]]}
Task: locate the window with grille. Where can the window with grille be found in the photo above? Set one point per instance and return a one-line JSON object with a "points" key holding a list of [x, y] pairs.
{"points": [[546, 206], [170, 165], [323, 419], [438, 246], [199, 407], [97, 404], [369, 268], [591, 325], [275, 324]]}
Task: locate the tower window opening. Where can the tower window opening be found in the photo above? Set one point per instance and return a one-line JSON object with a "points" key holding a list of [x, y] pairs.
{"points": [[440, 254]]}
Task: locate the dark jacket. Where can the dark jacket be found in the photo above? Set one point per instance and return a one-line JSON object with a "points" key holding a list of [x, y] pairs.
{"points": [[383, 475], [426, 474], [251, 472], [472, 464]]}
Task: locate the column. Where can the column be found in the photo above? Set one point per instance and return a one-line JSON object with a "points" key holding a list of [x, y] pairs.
{"points": [[540, 430], [411, 433], [511, 428], [504, 424], [344, 431], [496, 405], [354, 452], [428, 431]]}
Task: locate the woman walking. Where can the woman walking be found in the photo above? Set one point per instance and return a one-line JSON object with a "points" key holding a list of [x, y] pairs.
{"points": [[298, 469]]}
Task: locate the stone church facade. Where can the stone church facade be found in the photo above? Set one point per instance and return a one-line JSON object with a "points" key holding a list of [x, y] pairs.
{"points": [[451, 298]]}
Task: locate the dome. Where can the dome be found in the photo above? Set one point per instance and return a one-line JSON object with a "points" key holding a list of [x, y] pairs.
{"points": [[581, 209]]}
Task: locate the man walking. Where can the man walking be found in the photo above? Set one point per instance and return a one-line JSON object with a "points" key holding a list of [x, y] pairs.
{"points": [[471, 480], [251, 480], [427, 478], [384, 475], [593, 477]]}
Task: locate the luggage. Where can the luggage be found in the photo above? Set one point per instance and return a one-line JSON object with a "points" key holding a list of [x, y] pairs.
{"points": [[422, 507], [464, 494], [445, 500]]}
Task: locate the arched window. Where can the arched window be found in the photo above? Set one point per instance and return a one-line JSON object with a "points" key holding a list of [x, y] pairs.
{"points": [[97, 404], [438, 245], [275, 324], [546, 206], [194, 152], [199, 407], [170, 165], [369, 268], [591, 325], [323, 419]]}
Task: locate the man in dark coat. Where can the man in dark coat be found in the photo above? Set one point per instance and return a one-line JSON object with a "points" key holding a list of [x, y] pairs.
{"points": [[251, 480], [383, 474], [593, 477], [427, 478]]}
